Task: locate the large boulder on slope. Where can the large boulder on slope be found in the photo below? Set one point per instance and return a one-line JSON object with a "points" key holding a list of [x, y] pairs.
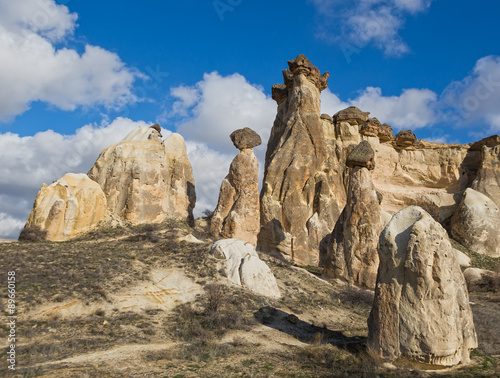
{"points": [[421, 310]]}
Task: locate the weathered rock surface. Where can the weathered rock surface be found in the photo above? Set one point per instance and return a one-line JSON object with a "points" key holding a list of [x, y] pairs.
{"points": [[70, 206], [370, 127], [237, 214], [352, 115], [243, 267], [146, 180], [476, 223], [405, 138], [362, 156], [303, 178], [462, 258], [245, 138], [491, 141], [351, 253], [421, 310], [488, 178]]}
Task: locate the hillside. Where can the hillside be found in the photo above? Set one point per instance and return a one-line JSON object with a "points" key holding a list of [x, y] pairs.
{"points": [[138, 302]]}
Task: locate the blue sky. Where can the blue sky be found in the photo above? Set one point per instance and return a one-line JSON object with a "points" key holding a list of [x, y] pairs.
{"points": [[77, 76]]}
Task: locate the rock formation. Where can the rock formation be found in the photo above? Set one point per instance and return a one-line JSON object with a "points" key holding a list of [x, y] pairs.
{"points": [[488, 178], [243, 267], [146, 180], [70, 206], [303, 177], [351, 253], [482, 280], [405, 138], [421, 310], [476, 223], [237, 214]]}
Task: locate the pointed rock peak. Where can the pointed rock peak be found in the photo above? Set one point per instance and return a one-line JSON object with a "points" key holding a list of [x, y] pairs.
{"points": [[362, 156], [352, 115], [302, 65], [245, 138]]}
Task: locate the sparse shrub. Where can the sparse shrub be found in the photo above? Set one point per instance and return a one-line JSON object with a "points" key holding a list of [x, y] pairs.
{"points": [[214, 297], [32, 234]]}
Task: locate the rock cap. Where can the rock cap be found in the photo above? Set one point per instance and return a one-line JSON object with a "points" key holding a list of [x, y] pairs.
{"points": [[362, 156], [245, 138]]}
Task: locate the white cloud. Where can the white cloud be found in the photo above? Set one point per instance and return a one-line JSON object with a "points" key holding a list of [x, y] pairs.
{"points": [[368, 21], [217, 105], [33, 69], [414, 108], [27, 162], [476, 98]]}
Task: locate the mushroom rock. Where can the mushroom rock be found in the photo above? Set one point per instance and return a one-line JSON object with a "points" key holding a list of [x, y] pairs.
{"points": [[351, 252], [405, 138], [303, 177], [352, 115], [237, 215], [68, 207], [421, 311]]}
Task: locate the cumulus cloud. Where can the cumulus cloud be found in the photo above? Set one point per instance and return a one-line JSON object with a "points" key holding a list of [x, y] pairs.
{"points": [[475, 99], [376, 22], [28, 162], [33, 69], [216, 106], [414, 108]]}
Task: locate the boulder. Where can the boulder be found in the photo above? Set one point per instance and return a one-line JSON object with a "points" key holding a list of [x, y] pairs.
{"points": [[245, 138], [146, 180], [462, 258], [385, 132], [243, 267], [421, 311], [237, 214], [405, 138], [352, 115], [482, 280], [476, 223], [68, 207], [303, 190], [370, 127], [362, 156], [351, 253], [488, 177]]}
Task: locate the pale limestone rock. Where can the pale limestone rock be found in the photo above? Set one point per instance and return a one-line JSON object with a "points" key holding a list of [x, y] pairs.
{"points": [[243, 267], [421, 310], [237, 214], [385, 217], [488, 178], [462, 258], [190, 239], [143, 133], [482, 280], [351, 254], [70, 206], [303, 189], [476, 223], [147, 180]]}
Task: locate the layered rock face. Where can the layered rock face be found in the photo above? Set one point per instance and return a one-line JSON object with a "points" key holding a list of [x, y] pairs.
{"points": [[351, 253], [303, 182], [70, 206], [146, 180], [421, 310], [476, 223], [237, 214]]}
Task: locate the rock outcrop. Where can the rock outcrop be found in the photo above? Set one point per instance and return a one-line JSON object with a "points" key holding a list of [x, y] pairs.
{"points": [[351, 253], [421, 310], [482, 280], [476, 223], [303, 177], [146, 180], [70, 206], [242, 266], [488, 178], [405, 138], [237, 214]]}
